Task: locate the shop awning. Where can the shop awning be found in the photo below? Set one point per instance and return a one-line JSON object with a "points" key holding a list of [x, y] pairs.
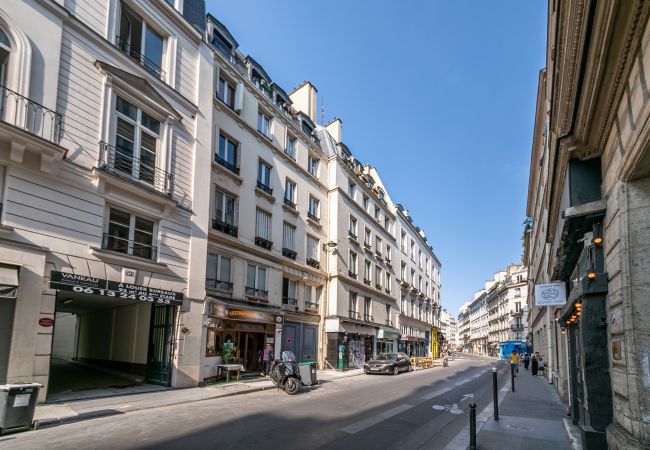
{"points": [[8, 281]]}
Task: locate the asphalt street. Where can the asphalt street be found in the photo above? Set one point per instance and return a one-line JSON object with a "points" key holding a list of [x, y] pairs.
{"points": [[422, 409]]}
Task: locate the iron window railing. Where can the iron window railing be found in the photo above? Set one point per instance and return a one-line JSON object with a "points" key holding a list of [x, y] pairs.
{"points": [[145, 62], [313, 216], [257, 293], [289, 203], [264, 243], [289, 301], [352, 274], [367, 281], [225, 227], [313, 263], [368, 318], [389, 322], [230, 166], [28, 115], [264, 188], [211, 283], [129, 247], [289, 253], [351, 235], [120, 161], [311, 305], [354, 315]]}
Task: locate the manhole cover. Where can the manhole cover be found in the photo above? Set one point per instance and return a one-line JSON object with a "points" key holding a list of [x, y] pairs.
{"points": [[520, 427]]}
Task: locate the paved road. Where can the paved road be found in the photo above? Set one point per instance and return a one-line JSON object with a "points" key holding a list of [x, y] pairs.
{"points": [[411, 410]]}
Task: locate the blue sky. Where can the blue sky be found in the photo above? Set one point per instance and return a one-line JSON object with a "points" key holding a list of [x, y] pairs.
{"points": [[439, 96]]}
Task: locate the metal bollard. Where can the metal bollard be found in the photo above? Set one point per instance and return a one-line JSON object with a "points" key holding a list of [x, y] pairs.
{"points": [[512, 377], [472, 426], [495, 394]]}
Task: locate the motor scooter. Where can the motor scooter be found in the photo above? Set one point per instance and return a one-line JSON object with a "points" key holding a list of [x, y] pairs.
{"points": [[285, 374]]}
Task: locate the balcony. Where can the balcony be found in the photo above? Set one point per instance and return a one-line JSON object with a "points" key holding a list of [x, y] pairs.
{"points": [[515, 313], [226, 164], [129, 247], [224, 227], [224, 286], [256, 293], [354, 315], [517, 327], [389, 322], [120, 161], [378, 286], [146, 63], [387, 259], [289, 253], [264, 188], [313, 263], [311, 306], [290, 204], [387, 291], [29, 116], [352, 274], [353, 236], [378, 254], [264, 243], [368, 318], [404, 284], [312, 216], [289, 301], [367, 246], [367, 281]]}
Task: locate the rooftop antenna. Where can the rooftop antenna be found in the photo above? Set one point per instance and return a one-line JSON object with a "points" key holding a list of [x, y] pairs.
{"points": [[322, 111]]}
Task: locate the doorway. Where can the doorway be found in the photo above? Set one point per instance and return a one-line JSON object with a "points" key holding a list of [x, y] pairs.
{"points": [[252, 345], [6, 323], [160, 345]]}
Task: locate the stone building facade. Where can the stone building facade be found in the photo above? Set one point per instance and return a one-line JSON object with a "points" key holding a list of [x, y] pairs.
{"points": [[588, 204]]}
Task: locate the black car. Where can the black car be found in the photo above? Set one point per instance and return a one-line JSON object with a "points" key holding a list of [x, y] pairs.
{"points": [[388, 363]]}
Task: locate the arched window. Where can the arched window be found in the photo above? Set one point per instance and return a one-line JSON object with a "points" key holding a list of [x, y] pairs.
{"points": [[5, 48]]}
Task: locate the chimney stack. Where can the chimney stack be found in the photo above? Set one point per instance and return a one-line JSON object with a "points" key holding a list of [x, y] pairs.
{"points": [[304, 99], [334, 129]]}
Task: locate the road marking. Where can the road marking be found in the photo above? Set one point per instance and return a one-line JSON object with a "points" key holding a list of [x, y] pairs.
{"points": [[463, 381], [466, 396], [435, 394], [450, 408], [374, 420]]}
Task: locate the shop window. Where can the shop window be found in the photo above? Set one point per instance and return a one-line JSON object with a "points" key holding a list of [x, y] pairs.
{"points": [[218, 273], [129, 234]]}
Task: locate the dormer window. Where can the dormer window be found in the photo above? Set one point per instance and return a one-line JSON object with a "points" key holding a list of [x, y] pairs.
{"points": [[261, 83], [307, 128], [221, 43]]}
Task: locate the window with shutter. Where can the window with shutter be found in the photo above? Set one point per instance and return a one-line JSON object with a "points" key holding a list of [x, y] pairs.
{"points": [[288, 232]]}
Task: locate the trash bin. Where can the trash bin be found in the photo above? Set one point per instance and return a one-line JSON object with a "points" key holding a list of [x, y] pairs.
{"points": [[17, 406], [307, 372]]}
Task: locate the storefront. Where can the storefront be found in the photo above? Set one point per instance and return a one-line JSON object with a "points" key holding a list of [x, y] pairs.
{"points": [[387, 338], [239, 334], [413, 346]]}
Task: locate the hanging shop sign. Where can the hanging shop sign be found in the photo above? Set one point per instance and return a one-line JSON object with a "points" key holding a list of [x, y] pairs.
{"points": [[553, 294], [90, 285], [46, 322], [246, 315]]}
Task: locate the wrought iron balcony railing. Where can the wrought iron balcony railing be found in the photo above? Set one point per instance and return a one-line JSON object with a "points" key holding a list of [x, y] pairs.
{"points": [[352, 274], [264, 243], [289, 253], [146, 63], [289, 301], [28, 115], [211, 283], [257, 293], [389, 322], [368, 318], [353, 236], [265, 188], [224, 227], [129, 247], [313, 263], [289, 203], [313, 217], [311, 305], [120, 161], [230, 166], [354, 315]]}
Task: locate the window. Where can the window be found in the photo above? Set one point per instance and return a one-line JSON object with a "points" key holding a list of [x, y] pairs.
{"points": [[517, 292], [367, 309], [136, 142], [310, 300], [130, 234], [420, 258], [313, 166], [366, 203], [388, 315], [378, 277], [290, 193], [224, 207], [412, 249], [367, 272], [367, 240], [289, 292], [138, 40], [314, 209], [403, 242], [412, 277], [313, 248], [403, 272], [288, 233], [353, 227], [378, 245], [351, 189], [5, 49], [226, 92], [420, 283], [389, 281], [264, 124], [426, 288], [291, 147], [227, 153], [387, 224], [264, 176], [256, 281], [517, 306], [389, 253], [263, 224], [218, 272], [377, 212], [353, 305], [352, 263]]}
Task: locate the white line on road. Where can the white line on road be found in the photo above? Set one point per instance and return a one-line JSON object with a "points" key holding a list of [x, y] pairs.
{"points": [[370, 421], [435, 394]]}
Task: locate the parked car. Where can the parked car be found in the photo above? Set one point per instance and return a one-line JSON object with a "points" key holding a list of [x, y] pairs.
{"points": [[388, 363]]}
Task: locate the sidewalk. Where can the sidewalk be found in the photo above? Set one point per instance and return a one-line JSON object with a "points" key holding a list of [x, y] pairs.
{"points": [[52, 413], [532, 417]]}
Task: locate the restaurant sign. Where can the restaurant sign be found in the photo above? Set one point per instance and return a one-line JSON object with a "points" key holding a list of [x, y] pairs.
{"points": [[90, 285], [553, 294], [246, 315]]}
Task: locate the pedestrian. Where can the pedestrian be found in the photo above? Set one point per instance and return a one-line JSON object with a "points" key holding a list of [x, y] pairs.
{"points": [[514, 362], [541, 367], [526, 360], [534, 364], [267, 358]]}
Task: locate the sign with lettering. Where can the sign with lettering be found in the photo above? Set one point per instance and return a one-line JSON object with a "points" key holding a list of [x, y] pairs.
{"points": [[553, 294], [46, 322], [107, 288], [246, 315]]}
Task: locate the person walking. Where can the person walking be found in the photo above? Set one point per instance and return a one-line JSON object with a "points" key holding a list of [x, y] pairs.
{"points": [[534, 365], [267, 358], [526, 360], [541, 367]]}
